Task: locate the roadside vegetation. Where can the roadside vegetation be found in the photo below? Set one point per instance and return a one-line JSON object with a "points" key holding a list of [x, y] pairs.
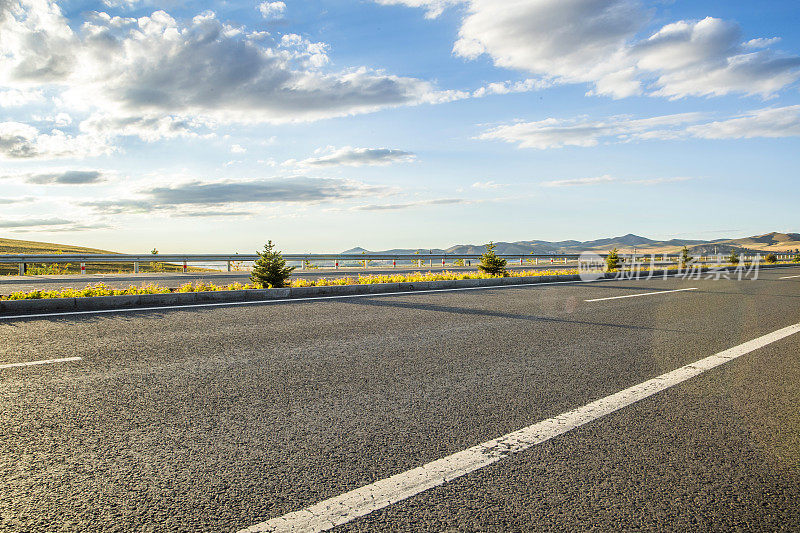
{"points": [[491, 264], [612, 261], [101, 289], [270, 268]]}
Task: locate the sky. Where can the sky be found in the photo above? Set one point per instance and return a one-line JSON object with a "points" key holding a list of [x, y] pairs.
{"points": [[328, 124]]}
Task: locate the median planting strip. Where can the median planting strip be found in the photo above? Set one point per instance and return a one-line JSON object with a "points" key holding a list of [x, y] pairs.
{"points": [[102, 299]]}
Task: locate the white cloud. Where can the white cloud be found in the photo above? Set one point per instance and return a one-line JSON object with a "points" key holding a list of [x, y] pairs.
{"points": [[597, 42], [557, 133], [508, 87], [19, 97], [409, 205], [272, 10], [190, 194], [433, 8], [487, 185], [607, 179], [238, 149], [22, 141], [155, 77], [59, 177], [354, 157], [766, 123]]}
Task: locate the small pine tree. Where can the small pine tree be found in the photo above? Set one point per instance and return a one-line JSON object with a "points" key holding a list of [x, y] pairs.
{"points": [[796, 259], [771, 258], [685, 257], [733, 258], [612, 261], [491, 264], [270, 269]]}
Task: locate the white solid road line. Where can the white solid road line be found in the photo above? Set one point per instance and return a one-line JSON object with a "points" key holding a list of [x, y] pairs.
{"points": [[641, 294], [43, 362], [362, 501], [790, 277]]}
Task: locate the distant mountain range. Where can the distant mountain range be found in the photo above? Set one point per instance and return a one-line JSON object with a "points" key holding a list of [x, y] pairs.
{"points": [[769, 242]]}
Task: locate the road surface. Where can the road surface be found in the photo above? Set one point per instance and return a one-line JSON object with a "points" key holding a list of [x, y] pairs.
{"points": [[218, 419]]}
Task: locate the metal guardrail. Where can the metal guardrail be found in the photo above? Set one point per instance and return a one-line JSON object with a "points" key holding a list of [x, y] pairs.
{"points": [[24, 259]]}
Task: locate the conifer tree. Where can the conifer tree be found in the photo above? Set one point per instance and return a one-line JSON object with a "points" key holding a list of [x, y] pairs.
{"points": [[685, 257], [733, 258], [491, 264], [612, 261], [270, 269]]}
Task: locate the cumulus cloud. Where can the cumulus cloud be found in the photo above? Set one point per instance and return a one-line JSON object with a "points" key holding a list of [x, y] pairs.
{"points": [[597, 42], [354, 157], [23, 141], [606, 179], [557, 133], [155, 77], [264, 191], [271, 10], [409, 205]]}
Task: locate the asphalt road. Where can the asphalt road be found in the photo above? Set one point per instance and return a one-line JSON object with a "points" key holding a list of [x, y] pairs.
{"points": [[215, 419], [9, 284]]}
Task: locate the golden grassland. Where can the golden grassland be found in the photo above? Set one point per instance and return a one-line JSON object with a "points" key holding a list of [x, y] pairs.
{"points": [[14, 246]]}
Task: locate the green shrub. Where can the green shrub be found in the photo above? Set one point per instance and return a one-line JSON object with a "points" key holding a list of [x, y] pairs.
{"points": [[270, 268], [685, 257], [796, 259], [491, 264], [770, 258], [733, 258], [612, 261]]}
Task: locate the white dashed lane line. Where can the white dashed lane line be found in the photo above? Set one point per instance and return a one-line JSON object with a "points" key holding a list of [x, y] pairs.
{"points": [[42, 362], [637, 295]]}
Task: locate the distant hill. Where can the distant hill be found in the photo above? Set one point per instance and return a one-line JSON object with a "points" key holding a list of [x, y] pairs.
{"points": [[14, 246], [773, 242]]}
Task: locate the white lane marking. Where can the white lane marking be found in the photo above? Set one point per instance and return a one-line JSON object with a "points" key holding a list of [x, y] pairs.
{"points": [[790, 277], [640, 294], [42, 362], [362, 501]]}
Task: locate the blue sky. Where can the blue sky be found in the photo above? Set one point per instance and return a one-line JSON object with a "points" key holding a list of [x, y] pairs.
{"points": [[395, 123]]}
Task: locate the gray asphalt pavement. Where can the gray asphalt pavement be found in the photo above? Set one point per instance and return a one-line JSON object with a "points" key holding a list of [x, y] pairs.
{"points": [[214, 419], [9, 284]]}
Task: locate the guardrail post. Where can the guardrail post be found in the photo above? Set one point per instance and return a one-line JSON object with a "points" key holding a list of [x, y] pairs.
{"points": [[22, 269], [184, 267], [337, 265], [83, 268], [136, 267], [394, 263], [442, 262], [229, 266]]}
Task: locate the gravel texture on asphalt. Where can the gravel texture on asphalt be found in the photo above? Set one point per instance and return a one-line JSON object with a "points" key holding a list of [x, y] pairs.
{"points": [[216, 419]]}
